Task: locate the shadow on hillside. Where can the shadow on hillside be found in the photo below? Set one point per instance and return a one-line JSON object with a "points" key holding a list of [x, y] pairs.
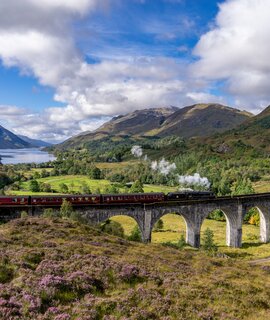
{"points": [[238, 254], [246, 245]]}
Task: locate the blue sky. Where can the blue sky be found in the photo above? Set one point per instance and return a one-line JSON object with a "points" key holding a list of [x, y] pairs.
{"points": [[68, 67]]}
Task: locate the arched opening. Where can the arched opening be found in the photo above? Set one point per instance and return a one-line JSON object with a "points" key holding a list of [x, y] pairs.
{"points": [[217, 222], [170, 228], [254, 227], [130, 227]]}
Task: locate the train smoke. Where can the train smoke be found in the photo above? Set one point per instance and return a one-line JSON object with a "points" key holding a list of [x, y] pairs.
{"points": [[137, 151], [163, 166], [195, 180]]}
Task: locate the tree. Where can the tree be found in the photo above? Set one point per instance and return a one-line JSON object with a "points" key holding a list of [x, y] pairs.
{"points": [[63, 188], [95, 173], [135, 234], [85, 188], [112, 227], [36, 175], [242, 186], [66, 209], [159, 225], [34, 186], [137, 187], [44, 173], [4, 180], [111, 189], [208, 241], [45, 187]]}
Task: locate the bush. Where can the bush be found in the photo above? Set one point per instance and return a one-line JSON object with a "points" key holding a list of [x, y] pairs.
{"points": [[208, 242], [113, 228], [159, 225], [6, 273], [179, 245], [135, 235], [50, 213], [76, 216], [24, 214], [66, 209]]}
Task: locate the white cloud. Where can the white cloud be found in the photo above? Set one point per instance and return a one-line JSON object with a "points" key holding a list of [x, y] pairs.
{"points": [[237, 50], [37, 37]]}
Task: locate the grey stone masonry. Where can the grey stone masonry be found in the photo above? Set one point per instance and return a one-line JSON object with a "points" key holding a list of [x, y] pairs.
{"points": [[194, 213]]}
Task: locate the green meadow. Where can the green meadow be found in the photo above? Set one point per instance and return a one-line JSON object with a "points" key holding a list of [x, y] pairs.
{"points": [[74, 182]]}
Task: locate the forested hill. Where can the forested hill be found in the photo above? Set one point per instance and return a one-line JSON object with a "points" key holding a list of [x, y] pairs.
{"points": [[9, 140], [253, 133], [197, 120]]}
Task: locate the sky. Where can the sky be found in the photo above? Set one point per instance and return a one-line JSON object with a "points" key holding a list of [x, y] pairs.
{"points": [[67, 66]]}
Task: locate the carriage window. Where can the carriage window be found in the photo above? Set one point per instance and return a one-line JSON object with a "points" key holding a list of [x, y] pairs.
{"points": [[86, 198], [93, 198]]}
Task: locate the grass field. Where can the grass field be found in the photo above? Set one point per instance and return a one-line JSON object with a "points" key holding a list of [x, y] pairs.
{"points": [[262, 186], [174, 227], [74, 182]]}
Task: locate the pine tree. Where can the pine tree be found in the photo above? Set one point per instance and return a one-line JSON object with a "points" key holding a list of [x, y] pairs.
{"points": [[208, 241]]}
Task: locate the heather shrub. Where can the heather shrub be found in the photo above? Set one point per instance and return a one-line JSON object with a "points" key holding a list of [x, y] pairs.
{"points": [[6, 273], [135, 234], [33, 258], [130, 274], [113, 228]]}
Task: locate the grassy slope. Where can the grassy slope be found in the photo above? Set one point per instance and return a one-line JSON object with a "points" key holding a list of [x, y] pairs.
{"points": [[87, 275], [75, 182]]}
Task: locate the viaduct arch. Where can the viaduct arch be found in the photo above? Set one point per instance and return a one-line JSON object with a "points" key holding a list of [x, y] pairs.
{"points": [[193, 212]]}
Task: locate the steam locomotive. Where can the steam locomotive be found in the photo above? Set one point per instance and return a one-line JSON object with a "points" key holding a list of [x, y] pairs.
{"points": [[99, 199]]}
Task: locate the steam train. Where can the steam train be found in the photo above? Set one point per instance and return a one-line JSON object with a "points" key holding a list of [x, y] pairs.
{"points": [[99, 199]]}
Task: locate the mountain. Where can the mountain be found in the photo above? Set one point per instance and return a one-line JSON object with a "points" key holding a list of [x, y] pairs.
{"points": [[34, 142], [139, 122], [196, 120], [9, 140], [253, 133], [201, 120]]}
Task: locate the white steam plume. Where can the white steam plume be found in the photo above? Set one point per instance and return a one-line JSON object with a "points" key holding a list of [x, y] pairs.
{"points": [[137, 151], [196, 180], [163, 166]]}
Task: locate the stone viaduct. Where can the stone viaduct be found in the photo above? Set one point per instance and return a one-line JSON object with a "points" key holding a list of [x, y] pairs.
{"points": [[194, 213]]}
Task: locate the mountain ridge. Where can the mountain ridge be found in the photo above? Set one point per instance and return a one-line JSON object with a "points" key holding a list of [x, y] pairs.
{"points": [[191, 121], [9, 140]]}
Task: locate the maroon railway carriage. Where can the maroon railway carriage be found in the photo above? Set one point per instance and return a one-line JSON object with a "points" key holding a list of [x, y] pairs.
{"points": [[57, 200], [14, 200], [132, 198]]}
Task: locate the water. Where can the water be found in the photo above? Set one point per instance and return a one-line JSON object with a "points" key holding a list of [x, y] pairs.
{"points": [[14, 156]]}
